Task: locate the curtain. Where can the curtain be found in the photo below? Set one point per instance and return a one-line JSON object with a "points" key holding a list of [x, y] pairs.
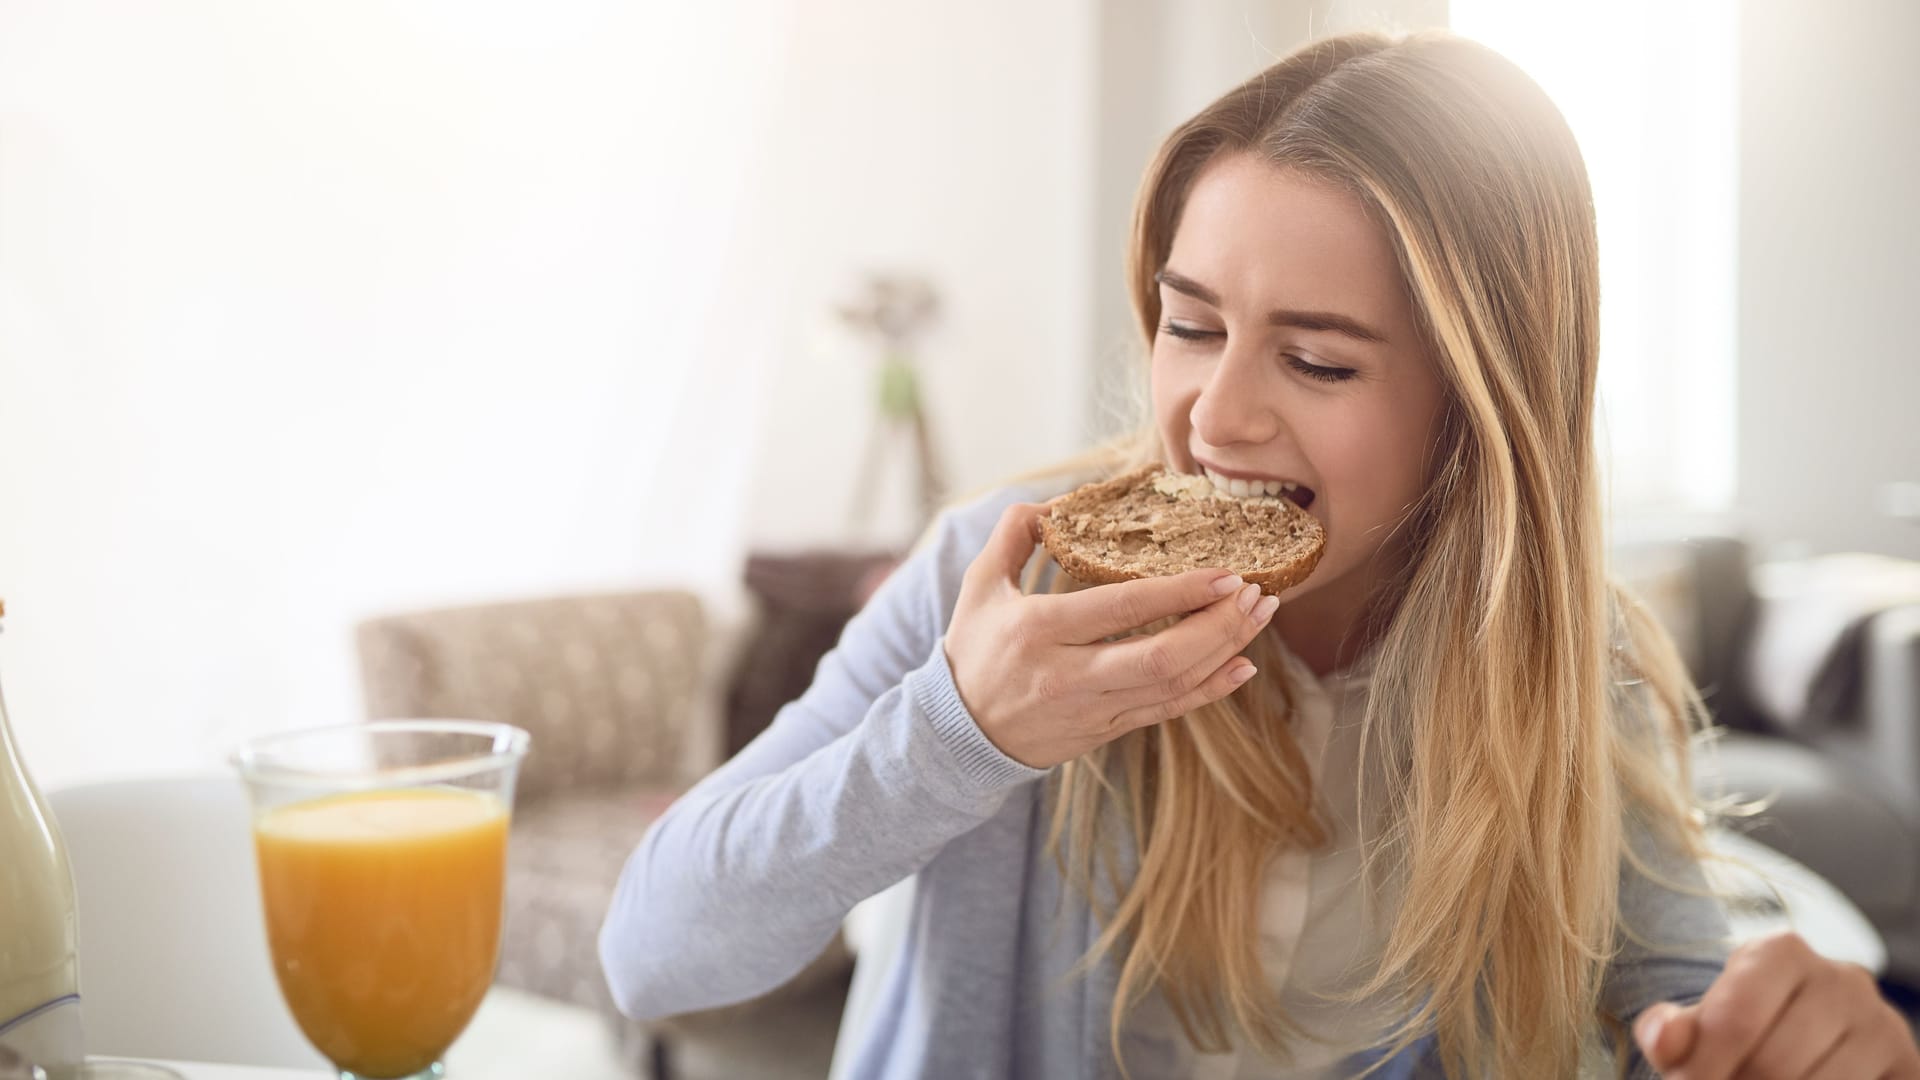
{"points": [[1650, 91]]}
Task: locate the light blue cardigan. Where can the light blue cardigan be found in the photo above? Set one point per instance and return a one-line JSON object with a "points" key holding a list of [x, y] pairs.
{"points": [[878, 772]]}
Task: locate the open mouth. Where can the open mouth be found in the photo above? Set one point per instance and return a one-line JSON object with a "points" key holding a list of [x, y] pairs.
{"points": [[1299, 495]]}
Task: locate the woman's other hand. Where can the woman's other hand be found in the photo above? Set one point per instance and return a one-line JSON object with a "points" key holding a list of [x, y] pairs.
{"points": [[1781, 1010]]}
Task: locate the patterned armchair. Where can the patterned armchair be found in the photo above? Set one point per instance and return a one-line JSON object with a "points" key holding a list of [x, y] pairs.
{"points": [[610, 688]]}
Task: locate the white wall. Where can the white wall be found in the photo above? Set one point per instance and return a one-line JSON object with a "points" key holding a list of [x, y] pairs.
{"points": [[952, 140], [309, 312], [312, 312], [1829, 404]]}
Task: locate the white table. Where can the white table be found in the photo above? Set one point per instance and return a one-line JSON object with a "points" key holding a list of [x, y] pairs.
{"points": [[198, 1071], [515, 1035]]}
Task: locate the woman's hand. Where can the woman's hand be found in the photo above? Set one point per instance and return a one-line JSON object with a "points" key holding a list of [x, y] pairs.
{"points": [[1781, 1010], [1038, 675]]}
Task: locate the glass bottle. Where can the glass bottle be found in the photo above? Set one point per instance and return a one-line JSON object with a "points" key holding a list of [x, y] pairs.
{"points": [[39, 966]]}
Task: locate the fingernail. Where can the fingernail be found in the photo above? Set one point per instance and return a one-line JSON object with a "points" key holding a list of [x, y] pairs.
{"points": [[1225, 585], [1247, 596], [1266, 609], [1650, 1032], [1241, 674]]}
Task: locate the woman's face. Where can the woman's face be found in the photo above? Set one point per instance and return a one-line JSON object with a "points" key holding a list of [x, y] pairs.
{"points": [[1288, 351]]}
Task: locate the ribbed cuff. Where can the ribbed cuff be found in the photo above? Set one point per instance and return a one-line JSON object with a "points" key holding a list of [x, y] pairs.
{"points": [[933, 690]]}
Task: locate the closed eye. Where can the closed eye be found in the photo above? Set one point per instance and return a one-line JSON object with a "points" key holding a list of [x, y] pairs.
{"points": [[1318, 372], [1188, 333]]}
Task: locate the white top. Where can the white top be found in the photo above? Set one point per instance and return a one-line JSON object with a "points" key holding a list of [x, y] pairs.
{"points": [[1314, 929]]}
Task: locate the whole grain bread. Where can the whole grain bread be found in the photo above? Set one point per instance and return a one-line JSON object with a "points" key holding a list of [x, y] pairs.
{"points": [[1150, 523]]}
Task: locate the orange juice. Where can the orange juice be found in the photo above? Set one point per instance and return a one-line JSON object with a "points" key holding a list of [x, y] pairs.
{"points": [[383, 913]]}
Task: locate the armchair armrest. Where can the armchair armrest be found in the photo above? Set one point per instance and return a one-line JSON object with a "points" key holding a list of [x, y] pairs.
{"points": [[1883, 738]]}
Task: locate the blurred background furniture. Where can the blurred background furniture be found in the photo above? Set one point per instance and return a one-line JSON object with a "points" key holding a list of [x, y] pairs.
{"points": [[1842, 770], [613, 689], [802, 603]]}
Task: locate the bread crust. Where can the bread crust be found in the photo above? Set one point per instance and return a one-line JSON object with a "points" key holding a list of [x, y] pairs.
{"points": [[1101, 568]]}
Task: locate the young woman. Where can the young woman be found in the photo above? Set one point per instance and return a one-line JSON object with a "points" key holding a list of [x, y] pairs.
{"points": [[1425, 813]]}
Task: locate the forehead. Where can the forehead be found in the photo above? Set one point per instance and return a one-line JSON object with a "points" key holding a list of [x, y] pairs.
{"points": [[1261, 236]]}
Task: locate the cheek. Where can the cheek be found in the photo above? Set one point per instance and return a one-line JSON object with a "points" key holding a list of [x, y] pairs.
{"points": [[1371, 464], [1170, 399]]}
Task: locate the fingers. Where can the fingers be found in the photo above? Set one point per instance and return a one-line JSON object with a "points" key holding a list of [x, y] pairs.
{"points": [[1011, 544], [1743, 1004], [1225, 681], [1082, 618], [1875, 1041], [1779, 1010], [1797, 1041], [1856, 1054], [1177, 659], [1666, 1034]]}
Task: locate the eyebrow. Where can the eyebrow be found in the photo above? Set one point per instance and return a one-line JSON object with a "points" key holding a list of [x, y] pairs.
{"points": [[1304, 320]]}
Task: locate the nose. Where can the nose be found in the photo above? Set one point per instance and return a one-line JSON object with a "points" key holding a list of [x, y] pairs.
{"points": [[1238, 402]]}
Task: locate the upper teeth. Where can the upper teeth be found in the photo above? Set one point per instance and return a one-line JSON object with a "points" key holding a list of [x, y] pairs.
{"points": [[1241, 489]]}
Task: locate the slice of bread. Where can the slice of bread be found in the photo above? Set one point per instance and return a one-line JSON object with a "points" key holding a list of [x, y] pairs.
{"points": [[1150, 523]]}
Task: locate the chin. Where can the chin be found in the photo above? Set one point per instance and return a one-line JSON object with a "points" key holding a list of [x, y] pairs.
{"points": [[1327, 579], [1316, 583]]}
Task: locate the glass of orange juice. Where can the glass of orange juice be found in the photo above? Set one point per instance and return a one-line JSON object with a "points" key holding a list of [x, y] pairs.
{"points": [[382, 851]]}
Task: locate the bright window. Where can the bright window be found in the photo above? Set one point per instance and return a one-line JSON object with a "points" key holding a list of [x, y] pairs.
{"points": [[1649, 89]]}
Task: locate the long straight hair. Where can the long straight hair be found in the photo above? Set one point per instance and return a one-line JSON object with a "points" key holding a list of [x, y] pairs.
{"points": [[1501, 650]]}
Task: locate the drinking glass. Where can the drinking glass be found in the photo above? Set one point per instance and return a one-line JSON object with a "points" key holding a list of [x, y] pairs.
{"points": [[382, 850]]}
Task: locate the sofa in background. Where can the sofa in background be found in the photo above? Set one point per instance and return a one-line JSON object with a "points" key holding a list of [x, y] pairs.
{"points": [[1842, 790]]}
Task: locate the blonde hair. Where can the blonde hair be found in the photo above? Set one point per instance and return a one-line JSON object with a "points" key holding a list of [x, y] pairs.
{"points": [[1502, 651]]}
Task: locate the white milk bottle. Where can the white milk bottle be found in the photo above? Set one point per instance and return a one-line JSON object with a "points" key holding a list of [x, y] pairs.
{"points": [[39, 969]]}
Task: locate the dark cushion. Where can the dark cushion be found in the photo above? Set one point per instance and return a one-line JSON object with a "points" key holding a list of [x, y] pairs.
{"points": [[805, 601]]}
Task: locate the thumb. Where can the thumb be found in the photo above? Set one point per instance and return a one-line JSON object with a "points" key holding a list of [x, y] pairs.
{"points": [[1010, 545], [1666, 1033]]}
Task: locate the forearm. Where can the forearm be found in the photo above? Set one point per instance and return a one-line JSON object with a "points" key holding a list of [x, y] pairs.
{"points": [[743, 881]]}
